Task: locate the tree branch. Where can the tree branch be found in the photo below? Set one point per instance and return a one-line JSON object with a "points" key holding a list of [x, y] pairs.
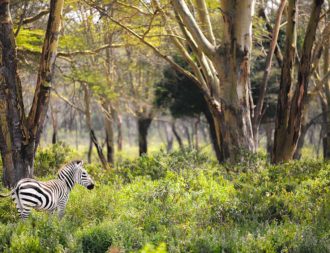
{"points": [[133, 33], [189, 21], [36, 17], [88, 52], [264, 84]]}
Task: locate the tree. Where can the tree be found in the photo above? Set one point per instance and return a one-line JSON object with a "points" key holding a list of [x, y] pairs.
{"points": [[290, 108], [222, 71], [20, 134]]}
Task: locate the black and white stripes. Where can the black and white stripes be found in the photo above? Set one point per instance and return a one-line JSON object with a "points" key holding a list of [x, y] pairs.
{"points": [[51, 195]]}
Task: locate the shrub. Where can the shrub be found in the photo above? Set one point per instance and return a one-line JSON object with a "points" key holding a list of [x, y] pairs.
{"points": [[96, 239], [48, 160]]}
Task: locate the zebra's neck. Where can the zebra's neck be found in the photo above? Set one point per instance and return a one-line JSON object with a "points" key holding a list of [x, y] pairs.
{"points": [[67, 175]]}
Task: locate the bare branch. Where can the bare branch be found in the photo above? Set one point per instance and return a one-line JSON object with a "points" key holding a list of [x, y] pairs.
{"points": [[66, 100], [88, 52], [36, 17], [264, 84]]}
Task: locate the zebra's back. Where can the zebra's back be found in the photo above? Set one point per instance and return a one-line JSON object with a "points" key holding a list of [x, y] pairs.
{"points": [[30, 193]]}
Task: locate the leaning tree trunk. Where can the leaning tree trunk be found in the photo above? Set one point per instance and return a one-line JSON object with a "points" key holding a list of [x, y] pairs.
{"points": [[289, 110], [177, 136], [19, 136], [143, 127]]}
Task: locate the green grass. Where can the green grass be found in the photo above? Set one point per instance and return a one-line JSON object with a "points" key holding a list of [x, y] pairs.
{"points": [[184, 202]]}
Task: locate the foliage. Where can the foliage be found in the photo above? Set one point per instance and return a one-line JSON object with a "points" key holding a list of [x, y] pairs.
{"points": [[178, 93], [48, 160], [184, 202]]}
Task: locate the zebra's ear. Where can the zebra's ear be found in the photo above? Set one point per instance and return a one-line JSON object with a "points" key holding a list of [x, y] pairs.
{"points": [[80, 163]]}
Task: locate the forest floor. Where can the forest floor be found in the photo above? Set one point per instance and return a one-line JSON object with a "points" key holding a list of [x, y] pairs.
{"points": [[180, 202]]}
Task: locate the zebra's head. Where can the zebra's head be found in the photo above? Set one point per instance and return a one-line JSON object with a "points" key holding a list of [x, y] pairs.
{"points": [[82, 177], [74, 172]]}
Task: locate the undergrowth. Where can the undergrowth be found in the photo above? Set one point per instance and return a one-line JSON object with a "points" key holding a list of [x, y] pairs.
{"points": [[180, 202]]}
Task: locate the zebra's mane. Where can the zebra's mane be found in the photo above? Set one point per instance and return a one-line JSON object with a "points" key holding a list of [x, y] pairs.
{"points": [[67, 172]]}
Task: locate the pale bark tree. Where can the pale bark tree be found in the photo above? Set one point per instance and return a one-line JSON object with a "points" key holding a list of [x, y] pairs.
{"points": [[221, 70], [20, 134]]}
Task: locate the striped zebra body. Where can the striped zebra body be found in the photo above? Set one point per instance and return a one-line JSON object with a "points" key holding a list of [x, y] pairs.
{"points": [[52, 195]]}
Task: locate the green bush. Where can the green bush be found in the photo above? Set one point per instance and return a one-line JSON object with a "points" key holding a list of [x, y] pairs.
{"points": [[48, 160], [96, 239]]}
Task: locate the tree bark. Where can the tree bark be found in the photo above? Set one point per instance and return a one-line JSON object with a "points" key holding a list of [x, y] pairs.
{"points": [[143, 127], [19, 135], [289, 111]]}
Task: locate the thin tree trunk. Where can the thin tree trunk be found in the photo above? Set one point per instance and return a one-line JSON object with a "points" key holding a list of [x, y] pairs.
{"points": [[109, 136], [143, 127], [93, 137], [258, 111], [176, 134]]}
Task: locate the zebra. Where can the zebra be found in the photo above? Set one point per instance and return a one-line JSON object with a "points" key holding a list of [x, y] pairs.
{"points": [[51, 195]]}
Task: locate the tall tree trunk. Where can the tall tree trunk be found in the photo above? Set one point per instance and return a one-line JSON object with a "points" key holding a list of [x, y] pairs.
{"points": [[92, 135], [143, 127], [234, 73], [109, 136], [19, 136], [289, 110]]}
